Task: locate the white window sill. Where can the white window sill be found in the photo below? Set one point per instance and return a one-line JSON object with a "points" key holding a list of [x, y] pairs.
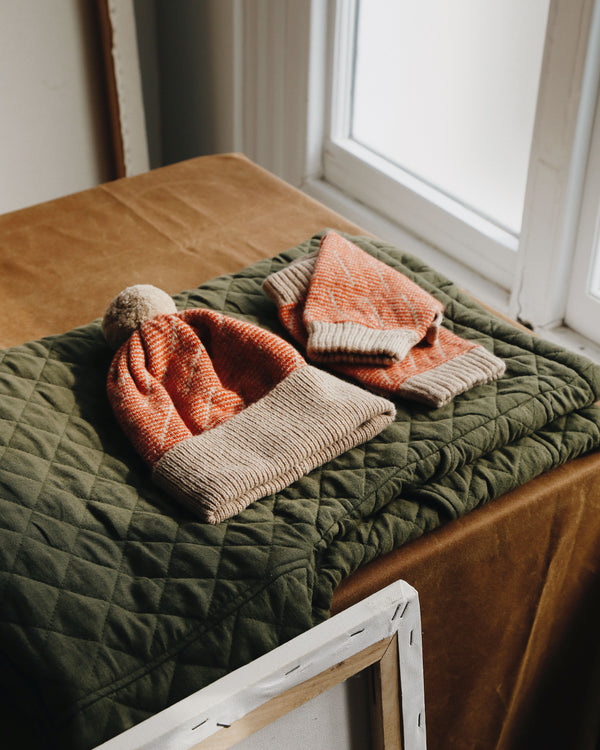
{"points": [[492, 295], [572, 340]]}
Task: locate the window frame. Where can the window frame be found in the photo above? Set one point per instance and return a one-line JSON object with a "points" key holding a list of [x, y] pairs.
{"points": [[394, 192], [582, 307], [530, 284], [559, 155], [521, 265]]}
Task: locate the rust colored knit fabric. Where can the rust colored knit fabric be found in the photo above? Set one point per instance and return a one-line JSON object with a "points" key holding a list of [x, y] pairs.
{"points": [[373, 324], [183, 374]]}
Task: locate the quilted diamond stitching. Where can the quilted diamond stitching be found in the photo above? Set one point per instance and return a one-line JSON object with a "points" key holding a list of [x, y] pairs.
{"points": [[309, 532]]}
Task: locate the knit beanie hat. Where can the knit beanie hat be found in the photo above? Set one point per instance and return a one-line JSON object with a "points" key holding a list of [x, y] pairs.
{"points": [[358, 309], [225, 412], [374, 325]]}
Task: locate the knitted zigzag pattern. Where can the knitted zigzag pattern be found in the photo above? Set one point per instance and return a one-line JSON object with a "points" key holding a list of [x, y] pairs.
{"points": [[373, 324], [180, 375]]}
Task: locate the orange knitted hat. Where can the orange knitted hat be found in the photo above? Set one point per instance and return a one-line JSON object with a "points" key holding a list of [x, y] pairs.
{"points": [[226, 412], [358, 309], [375, 325]]}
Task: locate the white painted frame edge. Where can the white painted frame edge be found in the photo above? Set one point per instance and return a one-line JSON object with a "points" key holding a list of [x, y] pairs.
{"points": [[582, 307], [538, 274], [392, 611], [128, 81], [557, 166]]}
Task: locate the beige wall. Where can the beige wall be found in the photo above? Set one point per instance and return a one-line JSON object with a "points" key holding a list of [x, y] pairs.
{"points": [[53, 137]]}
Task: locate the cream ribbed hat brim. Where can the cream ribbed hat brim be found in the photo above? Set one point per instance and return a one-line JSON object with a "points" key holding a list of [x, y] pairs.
{"points": [[354, 343], [307, 419]]}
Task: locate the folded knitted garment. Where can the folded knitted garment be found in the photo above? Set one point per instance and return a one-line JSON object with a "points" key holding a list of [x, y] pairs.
{"points": [[373, 324], [226, 412]]}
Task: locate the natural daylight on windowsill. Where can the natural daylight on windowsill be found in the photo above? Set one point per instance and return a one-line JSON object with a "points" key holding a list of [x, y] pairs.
{"points": [[441, 148], [485, 291]]}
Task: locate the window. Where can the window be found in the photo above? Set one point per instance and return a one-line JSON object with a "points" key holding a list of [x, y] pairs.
{"points": [[447, 92], [460, 123], [490, 194]]}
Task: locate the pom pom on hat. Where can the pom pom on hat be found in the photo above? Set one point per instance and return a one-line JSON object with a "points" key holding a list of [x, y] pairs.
{"points": [[130, 308]]}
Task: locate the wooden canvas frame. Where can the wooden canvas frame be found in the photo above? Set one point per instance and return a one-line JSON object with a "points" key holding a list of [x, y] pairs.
{"points": [[123, 84], [383, 633]]}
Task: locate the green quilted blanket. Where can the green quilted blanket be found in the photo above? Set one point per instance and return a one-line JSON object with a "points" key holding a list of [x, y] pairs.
{"points": [[116, 602]]}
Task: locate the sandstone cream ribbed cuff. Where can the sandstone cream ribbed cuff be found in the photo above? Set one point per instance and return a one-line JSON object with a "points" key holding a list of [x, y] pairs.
{"points": [[290, 285], [352, 342], [439, 385], [307, 419]]}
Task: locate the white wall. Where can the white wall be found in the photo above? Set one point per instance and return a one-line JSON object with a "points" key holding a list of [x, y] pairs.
{"points": [[53, 134]]}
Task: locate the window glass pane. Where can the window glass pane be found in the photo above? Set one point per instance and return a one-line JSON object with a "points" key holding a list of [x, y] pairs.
{"points": [[447, 90]]}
